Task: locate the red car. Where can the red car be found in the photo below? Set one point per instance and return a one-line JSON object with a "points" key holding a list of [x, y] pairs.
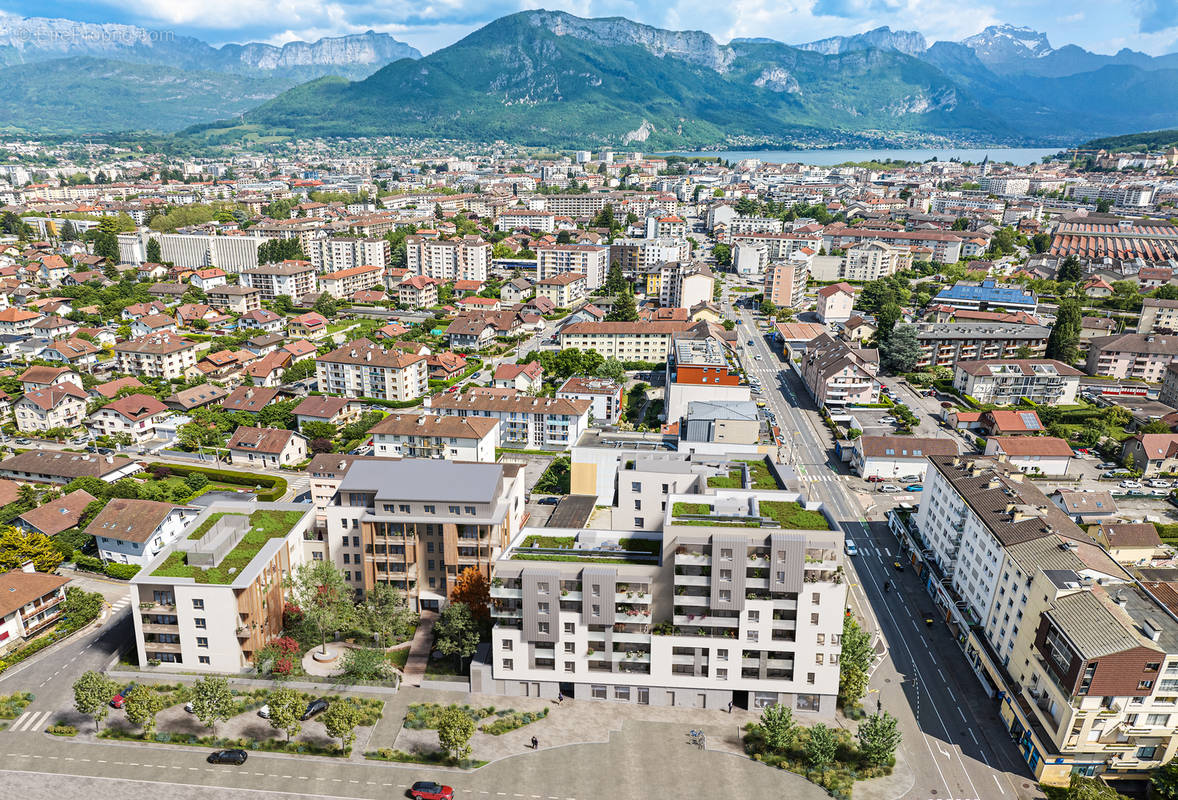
{"points": [[428, 790], [875, 479], [118, 700]]}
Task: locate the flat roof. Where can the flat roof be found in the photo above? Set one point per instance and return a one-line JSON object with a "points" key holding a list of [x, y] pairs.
{"points": [[425, 480]]}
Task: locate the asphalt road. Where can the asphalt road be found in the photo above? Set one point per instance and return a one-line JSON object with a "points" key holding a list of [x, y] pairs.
{"points": [[952, 737]]}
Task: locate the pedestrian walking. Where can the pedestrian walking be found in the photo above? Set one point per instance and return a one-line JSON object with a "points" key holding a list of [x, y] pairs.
{"points": [[729, 706], [559, 698], [535, 743]]}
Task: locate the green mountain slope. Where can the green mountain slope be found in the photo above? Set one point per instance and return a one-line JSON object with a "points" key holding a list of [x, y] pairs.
{"points": [[1149, 140], [550, 78], [93, 94]]}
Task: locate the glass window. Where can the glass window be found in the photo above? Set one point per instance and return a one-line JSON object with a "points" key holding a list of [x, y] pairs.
{"points": [[597, 692], [199, 622], [621, 692], [202, 641], [198, 603], [506, 644]]}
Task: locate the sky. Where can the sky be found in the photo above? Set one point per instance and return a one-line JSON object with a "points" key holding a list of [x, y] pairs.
{"points": [[1099, 25]]}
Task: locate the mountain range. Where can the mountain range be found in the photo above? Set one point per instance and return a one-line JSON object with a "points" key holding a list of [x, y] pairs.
{"points": [[553, 79], [550, 78], [57, 74]]}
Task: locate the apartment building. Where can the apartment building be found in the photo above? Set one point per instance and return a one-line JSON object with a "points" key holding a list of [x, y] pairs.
{"points": [[362, 368], [897, 457], [417, 524], [30, 601], [750, 259], [291, 278], [1168, 394], [635, 256], [625, 341], [523, 219], [873, 260], [836, 302], [239, 299], [266, 448], [1158, 316], [192, 613], [701, 367], [986, 296], [451, 438], [347, 282], [781, 246], [785, 283], [683, 285], [944, 344], [524, 421], [697, 616], [135, 531], [465, 259], [564, 290], [157, 355], [589, 260], [418, 291], [135, 415], [604, 396], [1132, 355], [1076, 651], [1004, 382], [62, 405], [337, 253], [945, 246], [837, 374], [658, 225]]}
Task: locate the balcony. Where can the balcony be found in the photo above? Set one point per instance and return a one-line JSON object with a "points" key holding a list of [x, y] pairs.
{"points": [[508, 613], [505, 592], [693, 580], [692, 560], [161, 647], [692, 600], [630, 597], [698, 619], [157, 608], [158, 628]]}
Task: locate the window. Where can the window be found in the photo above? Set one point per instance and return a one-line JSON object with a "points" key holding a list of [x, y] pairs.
{"points": [[202, 641], [813, 619], [570, 647], [810, 677], [508, 663], [1145, 684], [542, 587], [725, 574], [429, 547], [1147, 753], [725, 596], [750, 636], [569, 627], [822, 638], [455, 510], [506, 646], [635, 486], [199, 622], [1152, 666], [1157, 720], [721, 655], [726, 553], [403, 508], [570, 666], [201, 659], [469, 510], [819, 658], [754, 616], [815, 598], [197, 603], [643, 696], [347, 559], [542, 627], [621, 692], [638, 522], [597, 692], [429, 509], [542, 608]]}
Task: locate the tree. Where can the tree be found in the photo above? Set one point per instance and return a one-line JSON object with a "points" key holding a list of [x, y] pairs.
{"points": [[69, 232], [1063, 342], [385, 613], [455, 727], [624, 309], [283, 304], [854, 662], [723, 255], [325, 305], [1081, 788], [615, 281], [900, 351], [340, 720], [777, 723], [153, 251], [767, 308], [821, 746], [613, 370], [879, 737], [285, 709], [17, 547], [1103, 206], [1070, 270], [472, 588], [196, 481], [316, 429], [212, 702], [92, 694], [141, 704], [319, 589], [1164, 781], [456, 633]]}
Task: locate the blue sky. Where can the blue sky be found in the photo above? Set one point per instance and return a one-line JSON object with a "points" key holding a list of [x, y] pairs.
{"points": [[1099, 25]]}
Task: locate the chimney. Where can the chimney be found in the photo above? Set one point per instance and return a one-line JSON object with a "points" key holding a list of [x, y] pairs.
{"points": [[1151, 629], [1120, 599], [28, 567], [1017, 477]]}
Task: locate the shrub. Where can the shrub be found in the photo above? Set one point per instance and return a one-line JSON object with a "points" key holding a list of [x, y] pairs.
{"points": [[513, 720], [13, 705], [122, 572], [62, 730], [285, 645]]}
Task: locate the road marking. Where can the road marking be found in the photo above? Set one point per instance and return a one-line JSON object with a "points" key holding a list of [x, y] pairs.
{"points": [[962, 713], [999, 783], [975, 739]]}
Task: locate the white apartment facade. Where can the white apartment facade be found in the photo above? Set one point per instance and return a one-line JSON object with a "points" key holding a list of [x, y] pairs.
{"points": [[625, 341], [363, 369], [524, 421], [466, 259], [157, 355], [442, 437], [590, 260], [347, 282], [291, 278]]}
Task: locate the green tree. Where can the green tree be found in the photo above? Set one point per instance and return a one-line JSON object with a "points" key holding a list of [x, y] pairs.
{"points": [[1063, 343], [1164, 781], [1041, 242], [340, 721], [92, 694], [314, 429], [821, 746], [212, 702], [879, 736], [285, 706], [141, 704], [456, 633], [624, 309], [615, 281], [854, 662], [1081, 788], [325, 305], [196, 481], [283, 304], [321, 592], [153, 250], [17, 547], [1070, 270], [723, 255], [455, 728], [1103, 206], [900, 351], [777, 723], [613, 370], [385, 613]]}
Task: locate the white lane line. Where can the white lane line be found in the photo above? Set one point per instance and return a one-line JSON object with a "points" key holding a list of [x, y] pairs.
{"points": [[962, 713], [999, 783], [975, 739]]}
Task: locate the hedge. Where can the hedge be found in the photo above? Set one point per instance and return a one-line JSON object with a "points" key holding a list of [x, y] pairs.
{"points": [[376, 401], [122, 572], [276, 485]]}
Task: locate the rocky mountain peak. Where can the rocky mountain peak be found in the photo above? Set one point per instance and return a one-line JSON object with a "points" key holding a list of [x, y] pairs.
{"points": [[999, 43]]}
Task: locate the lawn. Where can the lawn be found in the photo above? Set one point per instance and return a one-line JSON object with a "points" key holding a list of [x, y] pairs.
{"points": [[265, 525], [553, 542], [208, 523], [760, 475], [732, 481], [690, 509], [791, 515]]}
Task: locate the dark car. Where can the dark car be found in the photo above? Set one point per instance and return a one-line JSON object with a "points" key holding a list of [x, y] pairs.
{"points": [[237, 757], [118, 700], [428, 790], [751, 343], [548, 501], [314, 707]]}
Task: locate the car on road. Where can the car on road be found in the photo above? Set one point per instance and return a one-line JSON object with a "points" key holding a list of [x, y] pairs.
{"points": [[1129, 485], [887, 420], [760, 404], [740, 322], [428, 790], [548, 501], [24, 440], [850, 548], [875, 479], [898, 566], [752, 342], [237, 757], [758, 357], [888, 488], [120, 698], [314, 707], [914, 487]]}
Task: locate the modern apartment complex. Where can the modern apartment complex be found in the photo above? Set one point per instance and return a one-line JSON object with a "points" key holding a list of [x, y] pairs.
{"points": [[291, 278], [350, 280], [362, 368], [157, 355], [785, 283], [698, 616], [336, 253], [590, 260], [427, 436], [417, 523], [1132, 355], [524, 421], [1004, 382], [872, 260], [466, 259], [943, 344], [837, 374], [625, 341]]}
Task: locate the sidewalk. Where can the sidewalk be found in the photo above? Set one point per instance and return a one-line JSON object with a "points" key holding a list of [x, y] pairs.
{"points": [[419, 650]]}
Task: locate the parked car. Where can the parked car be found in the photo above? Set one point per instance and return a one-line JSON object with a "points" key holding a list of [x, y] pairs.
{"points": [[875, 478], [1129, 484], [850, 548], [1108, 465], [1158, 483], [189, 708], [24, 440], [264, 711], [914, 487], [911, 478], [752, 342], [314, 707], [549, 501], [118, 700], [888, 488], [236, 757], [1111, 474], [887, 420], [428, 790]]}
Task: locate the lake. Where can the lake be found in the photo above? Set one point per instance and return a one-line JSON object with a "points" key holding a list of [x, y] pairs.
{"points": [[825, 158]]}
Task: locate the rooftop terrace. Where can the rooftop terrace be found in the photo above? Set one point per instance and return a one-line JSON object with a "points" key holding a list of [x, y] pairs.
{"points": [[202, 562], [596, 547]]}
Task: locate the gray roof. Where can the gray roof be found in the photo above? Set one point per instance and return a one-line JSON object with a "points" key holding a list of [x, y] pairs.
{"points": [[722, 409], [425, 480]]}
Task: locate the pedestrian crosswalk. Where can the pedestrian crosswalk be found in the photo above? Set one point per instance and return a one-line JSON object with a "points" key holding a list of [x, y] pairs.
{"points": [[31, 721], [825, 477], [118, 606]]}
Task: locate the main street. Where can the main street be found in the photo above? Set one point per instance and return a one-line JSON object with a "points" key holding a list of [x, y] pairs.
{"points": [[953, 740]]}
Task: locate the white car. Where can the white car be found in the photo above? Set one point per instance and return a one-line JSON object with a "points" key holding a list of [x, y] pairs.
{"points": [[850, 548], [264, 711], [1129, 485], [889, 488], [1158, 484]]}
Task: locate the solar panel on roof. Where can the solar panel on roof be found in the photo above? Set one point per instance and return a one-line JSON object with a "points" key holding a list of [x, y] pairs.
{"points": [[1030, 420]]}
